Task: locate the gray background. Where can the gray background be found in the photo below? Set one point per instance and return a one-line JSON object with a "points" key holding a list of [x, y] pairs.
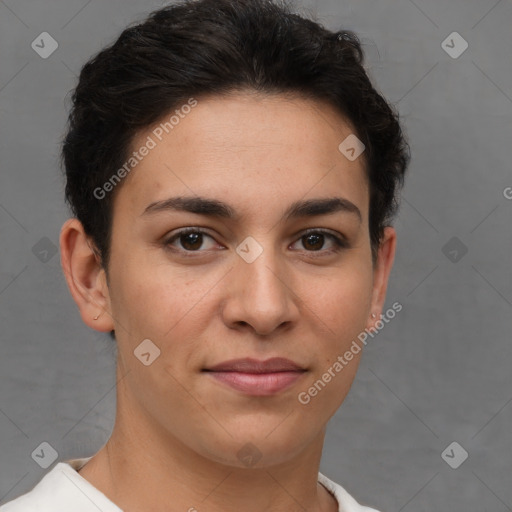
{"points": [[438, 373]]}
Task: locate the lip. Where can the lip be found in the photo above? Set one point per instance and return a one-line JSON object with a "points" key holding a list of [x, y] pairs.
{"points": [[248, 365], [257, 378]]}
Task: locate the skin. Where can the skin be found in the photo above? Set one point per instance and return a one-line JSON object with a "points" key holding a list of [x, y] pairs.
{"points": [[178, 431]]}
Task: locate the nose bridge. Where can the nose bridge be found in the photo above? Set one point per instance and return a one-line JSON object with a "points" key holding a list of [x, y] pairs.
{"points": [[262, 297], [263, 273]]}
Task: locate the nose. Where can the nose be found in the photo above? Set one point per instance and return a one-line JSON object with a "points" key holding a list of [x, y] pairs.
{"points": [[260, 296]]}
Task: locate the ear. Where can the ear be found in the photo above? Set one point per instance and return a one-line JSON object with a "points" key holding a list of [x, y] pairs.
{"points": [[381, 272], [85, 277]]}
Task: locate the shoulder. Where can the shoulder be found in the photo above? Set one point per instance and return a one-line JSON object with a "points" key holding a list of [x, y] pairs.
{"points": [[346, 502], [42, 497], [60, 490]]}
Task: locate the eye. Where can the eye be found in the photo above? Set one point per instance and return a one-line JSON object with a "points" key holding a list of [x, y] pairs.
{"points": [[314, 239], [191, 240]]}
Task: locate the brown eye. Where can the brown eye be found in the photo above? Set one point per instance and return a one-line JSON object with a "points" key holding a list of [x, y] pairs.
{"points": [[315, 240], [190, 240]]}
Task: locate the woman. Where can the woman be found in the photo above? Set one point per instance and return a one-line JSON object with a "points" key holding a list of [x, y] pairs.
{"points": [[232, 174]]}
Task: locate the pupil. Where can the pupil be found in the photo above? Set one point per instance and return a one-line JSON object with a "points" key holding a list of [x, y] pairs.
{"points": [[191, 239], [317, 240]]}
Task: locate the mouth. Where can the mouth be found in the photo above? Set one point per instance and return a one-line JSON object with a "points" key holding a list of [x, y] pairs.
{"points": [[257, 378]]}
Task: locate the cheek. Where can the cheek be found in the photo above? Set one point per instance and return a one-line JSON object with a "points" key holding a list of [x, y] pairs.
{"points": [[339, 303], [150, 299], [171, 308], [340, 308]]}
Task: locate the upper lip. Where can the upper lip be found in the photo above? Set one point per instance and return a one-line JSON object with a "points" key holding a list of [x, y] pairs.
{"points": [[248, 365]]}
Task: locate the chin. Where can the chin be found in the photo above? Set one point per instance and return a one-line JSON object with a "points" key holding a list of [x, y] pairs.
{"points": [[258, 446]]}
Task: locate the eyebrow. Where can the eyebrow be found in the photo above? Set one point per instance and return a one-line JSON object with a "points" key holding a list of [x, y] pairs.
{"points": [[216, 208]]}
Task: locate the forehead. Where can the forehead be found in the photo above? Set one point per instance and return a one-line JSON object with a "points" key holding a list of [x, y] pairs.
{"points": [[245, 149]]}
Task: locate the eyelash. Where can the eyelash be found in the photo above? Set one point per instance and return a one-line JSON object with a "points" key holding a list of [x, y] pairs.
{"points": [[339, 242]]}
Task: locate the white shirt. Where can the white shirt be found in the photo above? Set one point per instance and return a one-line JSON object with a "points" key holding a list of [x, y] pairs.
{"points": [[63, 489]]}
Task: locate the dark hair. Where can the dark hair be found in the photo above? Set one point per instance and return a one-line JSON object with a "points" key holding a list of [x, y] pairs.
{"points": [[214, 47]]}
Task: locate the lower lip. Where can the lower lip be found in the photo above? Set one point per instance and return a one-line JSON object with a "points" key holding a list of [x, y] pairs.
{"points": [[258, 384]]}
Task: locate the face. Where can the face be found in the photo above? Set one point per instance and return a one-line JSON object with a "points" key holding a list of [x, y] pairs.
{"points": [[266, 255]]}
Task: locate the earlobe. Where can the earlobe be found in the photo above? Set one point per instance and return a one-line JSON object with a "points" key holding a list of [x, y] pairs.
{"points": [[85, 277], [381, 272]]}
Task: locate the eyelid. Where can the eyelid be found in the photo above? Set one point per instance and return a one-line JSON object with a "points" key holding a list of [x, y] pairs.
{"points": [[340, 241], [324, 231], [183, 231]]}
